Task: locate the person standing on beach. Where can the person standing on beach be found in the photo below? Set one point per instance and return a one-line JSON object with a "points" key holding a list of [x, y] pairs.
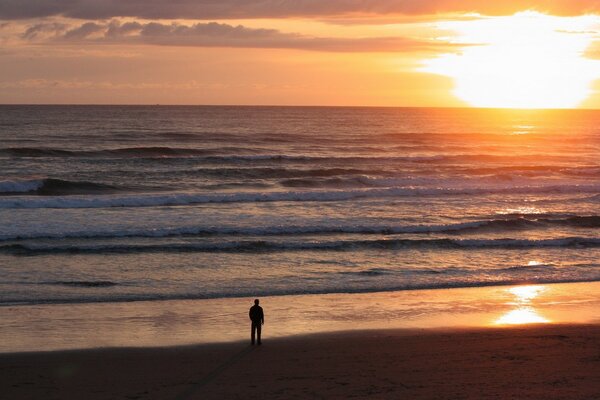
{"points": [[258, 319]]}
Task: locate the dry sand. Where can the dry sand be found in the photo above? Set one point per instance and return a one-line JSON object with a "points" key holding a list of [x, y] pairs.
{"points": [[535, 362]]}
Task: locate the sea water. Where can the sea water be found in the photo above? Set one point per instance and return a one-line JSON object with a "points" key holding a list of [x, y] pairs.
{"points": [[120, 203]]}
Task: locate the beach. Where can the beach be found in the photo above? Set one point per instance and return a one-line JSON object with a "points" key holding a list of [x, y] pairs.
{"points": [[522, 342], [536, 362], [409, 189], [430, 253]]}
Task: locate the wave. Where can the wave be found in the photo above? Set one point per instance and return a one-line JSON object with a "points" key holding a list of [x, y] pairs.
{"points": [[354, 181], [594, 198], [128, 152], [210, 154], [54, 187], [527, 268], [287, 173], [392, 175], [239, 155], [368, 272], [366, 181], [529, 170], [262, 246], [491, 225], [85, 284], [178, 199], [93, 297]]}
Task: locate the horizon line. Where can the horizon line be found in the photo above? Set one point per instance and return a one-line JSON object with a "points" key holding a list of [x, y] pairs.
{"points": [[292, 106]]}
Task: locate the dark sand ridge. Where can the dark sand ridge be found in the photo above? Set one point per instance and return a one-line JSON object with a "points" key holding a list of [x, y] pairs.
{"points": [[534, 362]]}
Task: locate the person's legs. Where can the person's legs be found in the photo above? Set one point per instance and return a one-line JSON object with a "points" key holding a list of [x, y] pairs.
{"points": [[252, 330], [258, 330]]}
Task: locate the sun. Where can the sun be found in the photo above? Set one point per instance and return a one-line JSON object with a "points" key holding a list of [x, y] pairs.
{"points": [[528, 60]]}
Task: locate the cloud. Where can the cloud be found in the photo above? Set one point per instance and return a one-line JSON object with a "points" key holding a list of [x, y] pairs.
{"points": [[40, 83], [83, 31], [37, 30], [239, 9], [214, 34]]}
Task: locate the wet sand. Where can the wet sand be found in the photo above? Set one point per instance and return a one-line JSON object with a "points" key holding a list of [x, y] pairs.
{"points": [[49, 327], [532, 362]]}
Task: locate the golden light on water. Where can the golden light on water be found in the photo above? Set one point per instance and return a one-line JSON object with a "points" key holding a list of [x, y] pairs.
{"points": [[524, 294], [524, 311], [521, 316], [521, 210], [534, 263], [528, 60]]}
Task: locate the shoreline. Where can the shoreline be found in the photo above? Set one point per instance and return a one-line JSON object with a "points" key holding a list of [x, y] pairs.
{"points": [[125, 300], [525, 362], [187, 322]]}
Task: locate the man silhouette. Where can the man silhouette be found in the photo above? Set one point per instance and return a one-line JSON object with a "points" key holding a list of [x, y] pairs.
{"points": [[258, 319]]}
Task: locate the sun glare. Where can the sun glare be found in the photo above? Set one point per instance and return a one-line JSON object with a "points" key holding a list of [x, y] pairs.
{"points": [[528, 60], [524, 312], [521, 316]]}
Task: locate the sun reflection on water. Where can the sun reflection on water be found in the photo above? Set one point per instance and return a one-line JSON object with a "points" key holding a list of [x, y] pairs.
{"points": [[524, 311], [523, 129], [524, 294], [521, 210]]}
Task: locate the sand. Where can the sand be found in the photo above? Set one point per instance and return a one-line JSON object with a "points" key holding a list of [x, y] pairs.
{"points": [[532, 362]]}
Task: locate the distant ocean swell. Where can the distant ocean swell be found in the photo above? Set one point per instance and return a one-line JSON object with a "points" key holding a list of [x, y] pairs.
{"points": [[332, 179], [473, 180], [237, 155], [152, 200], [278, 246], [292, 171], [119, 152], [510, 223]]}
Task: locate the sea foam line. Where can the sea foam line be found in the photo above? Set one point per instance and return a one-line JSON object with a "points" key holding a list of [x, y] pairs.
{"points": [[261, 246], [178, 199], [533, 221], [96, 297]]}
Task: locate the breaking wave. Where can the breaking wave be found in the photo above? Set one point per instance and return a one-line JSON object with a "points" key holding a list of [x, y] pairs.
{"points": [[54, 187], [244, 155], [127, 152], [175, 199], [492, 225], [277, 246]]}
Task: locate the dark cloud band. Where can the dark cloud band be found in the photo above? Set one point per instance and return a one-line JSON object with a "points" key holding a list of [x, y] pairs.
{"points": [[214, 34], [230, 9]]}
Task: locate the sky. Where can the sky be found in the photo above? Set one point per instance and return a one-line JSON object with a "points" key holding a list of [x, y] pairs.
{"points": [[421, 53]]}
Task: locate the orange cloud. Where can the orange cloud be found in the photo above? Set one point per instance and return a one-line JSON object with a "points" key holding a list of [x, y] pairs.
{"points": [[593, 52]]}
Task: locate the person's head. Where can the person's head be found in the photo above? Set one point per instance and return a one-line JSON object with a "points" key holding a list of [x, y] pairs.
{"points": [[256, 301]]}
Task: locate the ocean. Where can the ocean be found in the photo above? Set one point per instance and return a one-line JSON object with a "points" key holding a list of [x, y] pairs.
{"points": [[123, 203]]}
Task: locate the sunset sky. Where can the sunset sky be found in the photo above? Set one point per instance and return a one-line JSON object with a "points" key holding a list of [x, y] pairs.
{"points": [[523, 54]]}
